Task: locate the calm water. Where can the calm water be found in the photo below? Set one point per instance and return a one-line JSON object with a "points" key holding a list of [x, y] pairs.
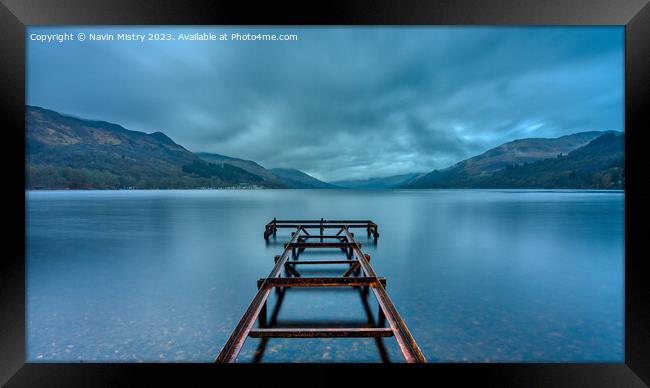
{"points": [[126, 276]]}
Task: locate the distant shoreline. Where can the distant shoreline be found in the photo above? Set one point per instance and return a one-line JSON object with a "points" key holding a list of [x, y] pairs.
{"points": [[344, 189]]}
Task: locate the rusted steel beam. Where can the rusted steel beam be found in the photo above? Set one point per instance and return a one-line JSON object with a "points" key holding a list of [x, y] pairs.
{"points": [[281, 222], [321, 245], [233, 346], [335, 332], [407, 344], [324, 236], [324, 282], [318, 226], [316, 262]]}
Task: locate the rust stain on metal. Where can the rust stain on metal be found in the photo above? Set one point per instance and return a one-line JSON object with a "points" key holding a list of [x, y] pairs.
{"points": [[364, 279]]}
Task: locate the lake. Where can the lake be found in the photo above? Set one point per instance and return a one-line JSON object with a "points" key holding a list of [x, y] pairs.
{"points": [[477, 275]]}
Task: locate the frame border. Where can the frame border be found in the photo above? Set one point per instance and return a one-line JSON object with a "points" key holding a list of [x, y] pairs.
{"points": [[634, 14]]}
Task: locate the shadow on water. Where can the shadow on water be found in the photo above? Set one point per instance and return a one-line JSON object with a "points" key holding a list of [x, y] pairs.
{"points": [[272, 322]]}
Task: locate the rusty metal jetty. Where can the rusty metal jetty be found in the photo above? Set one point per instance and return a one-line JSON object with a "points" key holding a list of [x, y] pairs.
{"points": [[310, 234]]}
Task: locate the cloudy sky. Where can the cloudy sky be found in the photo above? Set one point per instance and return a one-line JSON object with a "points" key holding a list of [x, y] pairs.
{"points": [[341, 103]]}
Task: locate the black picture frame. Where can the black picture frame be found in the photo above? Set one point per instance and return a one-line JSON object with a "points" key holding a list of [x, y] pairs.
{"points": [[16, 14]]}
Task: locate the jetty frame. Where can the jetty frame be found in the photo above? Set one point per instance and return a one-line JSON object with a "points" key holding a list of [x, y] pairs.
{"points": [[310, 234]]}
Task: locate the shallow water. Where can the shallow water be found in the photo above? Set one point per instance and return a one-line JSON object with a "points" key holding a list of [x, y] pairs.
{"points": [[477, 275]]}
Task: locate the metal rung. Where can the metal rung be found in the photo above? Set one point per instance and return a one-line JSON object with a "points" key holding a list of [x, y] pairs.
{"points": [[326, 226], [301, 222], [317, 236], [336, 332], [323, 245], [312, 262], [323, 282]]}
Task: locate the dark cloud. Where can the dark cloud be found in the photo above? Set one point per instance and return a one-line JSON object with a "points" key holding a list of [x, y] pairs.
{"points": [[343, 103]]}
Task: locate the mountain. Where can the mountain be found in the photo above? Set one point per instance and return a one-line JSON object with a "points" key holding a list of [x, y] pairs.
{"points": [[285, 178], [516, 152], [68, 152], [387, 182], [298, 179], [247, 165], [597, 165]]}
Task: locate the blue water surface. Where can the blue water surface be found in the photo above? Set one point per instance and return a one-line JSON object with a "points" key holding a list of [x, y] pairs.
{"points": [[477, 275]]}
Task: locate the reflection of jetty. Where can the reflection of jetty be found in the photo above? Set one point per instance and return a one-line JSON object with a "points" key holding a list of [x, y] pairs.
{"points": [[359, 274]]}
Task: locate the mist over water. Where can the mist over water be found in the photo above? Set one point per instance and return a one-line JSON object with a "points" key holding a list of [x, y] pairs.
{"points": [[477, 275]]}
